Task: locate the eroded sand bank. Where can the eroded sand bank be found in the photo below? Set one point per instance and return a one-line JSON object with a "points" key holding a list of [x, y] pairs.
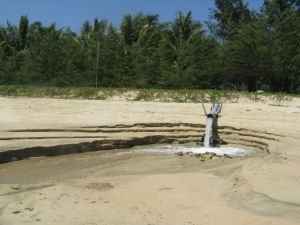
{"points": [[107, 187]]}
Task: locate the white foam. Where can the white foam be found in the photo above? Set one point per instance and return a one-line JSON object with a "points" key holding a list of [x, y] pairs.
{"points": [[174, 149]]}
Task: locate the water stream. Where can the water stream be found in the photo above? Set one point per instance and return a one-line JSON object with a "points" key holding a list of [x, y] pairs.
{"points": [[208, 132], [171, 149]]}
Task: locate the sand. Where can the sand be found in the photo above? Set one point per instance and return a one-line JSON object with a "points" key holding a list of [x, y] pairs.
{"points": [[111, 187]]}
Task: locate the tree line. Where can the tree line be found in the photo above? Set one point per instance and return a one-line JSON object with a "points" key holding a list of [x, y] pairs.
{"points": [[237, 48]]}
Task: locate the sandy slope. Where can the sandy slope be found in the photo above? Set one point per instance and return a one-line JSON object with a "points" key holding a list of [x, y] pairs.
{"points": [[115, 188]]}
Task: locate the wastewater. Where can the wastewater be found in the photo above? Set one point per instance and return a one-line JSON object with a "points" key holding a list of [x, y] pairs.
{"points": [[220, 151], [208, 132], [173, 149]]}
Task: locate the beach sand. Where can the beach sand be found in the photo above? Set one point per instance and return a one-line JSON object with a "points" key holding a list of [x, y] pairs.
{"points": [[121, 187]]}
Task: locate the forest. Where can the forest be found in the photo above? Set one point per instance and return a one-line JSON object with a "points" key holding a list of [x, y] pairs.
{"points": [[236, 49]]}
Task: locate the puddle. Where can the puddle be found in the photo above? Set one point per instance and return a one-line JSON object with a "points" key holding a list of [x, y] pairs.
{"points": [[170, 149]]}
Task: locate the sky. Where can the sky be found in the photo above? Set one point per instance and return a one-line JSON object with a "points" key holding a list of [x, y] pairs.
{"points": [[72, 13]]}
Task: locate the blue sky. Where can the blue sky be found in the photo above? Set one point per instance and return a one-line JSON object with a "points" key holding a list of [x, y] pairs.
{"points": [[72, 13]]}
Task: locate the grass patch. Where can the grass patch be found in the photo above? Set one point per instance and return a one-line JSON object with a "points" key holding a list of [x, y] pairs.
{"points": [[161, 95]]}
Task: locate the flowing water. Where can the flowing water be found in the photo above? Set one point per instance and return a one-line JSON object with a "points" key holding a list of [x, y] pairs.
{"points": [[207, 148], [208, 132], [171, 149]]}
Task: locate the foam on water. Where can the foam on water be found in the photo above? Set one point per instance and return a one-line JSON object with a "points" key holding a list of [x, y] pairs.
{"points": [[174, 149]]}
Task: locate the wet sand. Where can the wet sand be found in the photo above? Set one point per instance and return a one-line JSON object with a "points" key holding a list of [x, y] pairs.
{"points": [[107, 187]]}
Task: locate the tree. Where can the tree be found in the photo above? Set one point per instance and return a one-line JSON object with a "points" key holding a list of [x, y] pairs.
{"points": [[146, 62], [126, 29], [246, 49], [282, 24], [112, 59], [177, 60], [23, 32], [228, 17], [242, 62]]}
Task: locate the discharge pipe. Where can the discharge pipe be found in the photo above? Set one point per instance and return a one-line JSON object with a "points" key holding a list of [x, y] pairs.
{"points": [[211, 137]]}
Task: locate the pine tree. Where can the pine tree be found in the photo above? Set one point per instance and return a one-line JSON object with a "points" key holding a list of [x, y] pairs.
{"points": [[228, 17], [23, 32]]}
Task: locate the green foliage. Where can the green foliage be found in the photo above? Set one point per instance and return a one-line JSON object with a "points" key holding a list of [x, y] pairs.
{"points": [[149, 94], [243, 50], [23, 32], [229, 16]]}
